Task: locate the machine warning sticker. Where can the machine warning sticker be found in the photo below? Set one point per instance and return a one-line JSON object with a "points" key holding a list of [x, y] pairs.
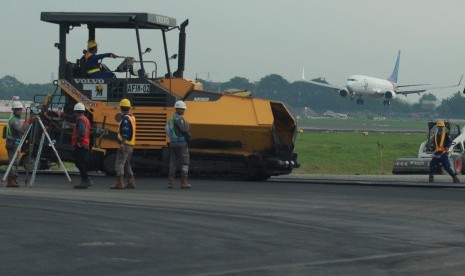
{"points": [[201, 99], [200, 96], [98, 91], [135, 88]]}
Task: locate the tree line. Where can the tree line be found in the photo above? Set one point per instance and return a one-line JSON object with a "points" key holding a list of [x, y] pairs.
{"points": [[301, 94], [10, 86], [297, 95]]}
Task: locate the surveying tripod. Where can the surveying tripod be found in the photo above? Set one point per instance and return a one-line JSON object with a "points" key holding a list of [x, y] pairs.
{"points": [[39, 152]]}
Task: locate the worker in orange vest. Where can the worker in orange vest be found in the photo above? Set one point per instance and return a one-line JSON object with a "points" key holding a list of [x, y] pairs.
{"points": [[80, 141], [441, 146]]}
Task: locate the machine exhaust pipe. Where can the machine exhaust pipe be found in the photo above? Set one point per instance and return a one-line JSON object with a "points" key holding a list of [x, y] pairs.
{"points": [[182, 50]]}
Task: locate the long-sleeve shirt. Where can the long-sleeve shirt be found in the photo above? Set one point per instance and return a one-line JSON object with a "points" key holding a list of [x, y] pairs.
{"points": [[178, 129], [93, 60], [181, 126], [15, 129]]}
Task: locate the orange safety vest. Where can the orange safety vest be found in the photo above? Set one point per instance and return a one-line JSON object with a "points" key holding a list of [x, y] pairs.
{"points": [[85, 142], [440, 146], [132, 119]]}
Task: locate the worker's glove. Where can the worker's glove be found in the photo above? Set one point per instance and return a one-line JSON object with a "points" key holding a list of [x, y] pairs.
{"points": [[31, 119]]}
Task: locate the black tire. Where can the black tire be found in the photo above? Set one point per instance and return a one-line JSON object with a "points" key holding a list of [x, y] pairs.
{"points": [[27, 165], [259, 177], [109, 164]]}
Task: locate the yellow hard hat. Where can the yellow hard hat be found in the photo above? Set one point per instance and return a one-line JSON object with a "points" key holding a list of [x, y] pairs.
{"points": [[91, 44], [125, 103], [440, 123]]}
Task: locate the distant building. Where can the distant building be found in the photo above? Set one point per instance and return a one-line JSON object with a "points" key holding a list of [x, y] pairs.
{"points": [[332, 114], [429, 104], [5, 105]]}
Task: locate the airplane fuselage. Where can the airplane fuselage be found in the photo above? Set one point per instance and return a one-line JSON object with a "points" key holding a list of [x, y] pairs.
{"points": [[361, 85]]}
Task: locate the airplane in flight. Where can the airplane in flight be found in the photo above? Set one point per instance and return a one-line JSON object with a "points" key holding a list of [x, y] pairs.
{"points": [[358, 86]]}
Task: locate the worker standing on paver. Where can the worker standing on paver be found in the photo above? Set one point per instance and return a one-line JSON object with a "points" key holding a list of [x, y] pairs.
{"points": [[178, 131], [442, 142]]}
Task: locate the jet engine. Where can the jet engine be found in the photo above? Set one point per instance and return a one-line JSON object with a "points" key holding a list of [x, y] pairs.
{"points": [[390, 95], [343, 92]]}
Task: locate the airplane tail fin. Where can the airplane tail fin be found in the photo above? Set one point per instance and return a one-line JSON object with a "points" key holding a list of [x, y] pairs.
{"points": [[393, 77]]}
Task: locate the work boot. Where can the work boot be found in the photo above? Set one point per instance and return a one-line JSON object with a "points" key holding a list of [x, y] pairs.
{"points": [[12, 182], [455, 179], [431, 178], [131, 182], [170, 182], [118, 184], [184, 184], [82, 185]]}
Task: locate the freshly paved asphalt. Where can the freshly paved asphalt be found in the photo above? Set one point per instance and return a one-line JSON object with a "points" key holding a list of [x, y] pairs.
{"points": [[299, 225]]}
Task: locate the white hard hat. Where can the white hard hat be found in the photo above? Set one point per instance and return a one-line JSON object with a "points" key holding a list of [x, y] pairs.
{"points": [[180, 104], [79, 107], [17, 105]]}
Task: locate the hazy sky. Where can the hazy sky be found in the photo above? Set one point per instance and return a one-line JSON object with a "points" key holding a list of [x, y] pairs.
{"points": [[255, 38]]}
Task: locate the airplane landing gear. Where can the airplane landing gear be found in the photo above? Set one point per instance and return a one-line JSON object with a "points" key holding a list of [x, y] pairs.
{"points": [[386, 102], [360, 101]]}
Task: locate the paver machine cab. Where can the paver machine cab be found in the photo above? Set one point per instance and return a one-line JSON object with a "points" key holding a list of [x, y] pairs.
{"points": [[231, 134]]}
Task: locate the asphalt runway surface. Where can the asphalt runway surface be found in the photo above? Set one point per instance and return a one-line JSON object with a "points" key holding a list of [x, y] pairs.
{"points": [[317, 225]]}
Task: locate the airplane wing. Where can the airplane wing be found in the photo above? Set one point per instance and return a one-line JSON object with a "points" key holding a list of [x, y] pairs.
{"points": [[410, 85], [406, 92], [325, 85], [418, 91]]}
